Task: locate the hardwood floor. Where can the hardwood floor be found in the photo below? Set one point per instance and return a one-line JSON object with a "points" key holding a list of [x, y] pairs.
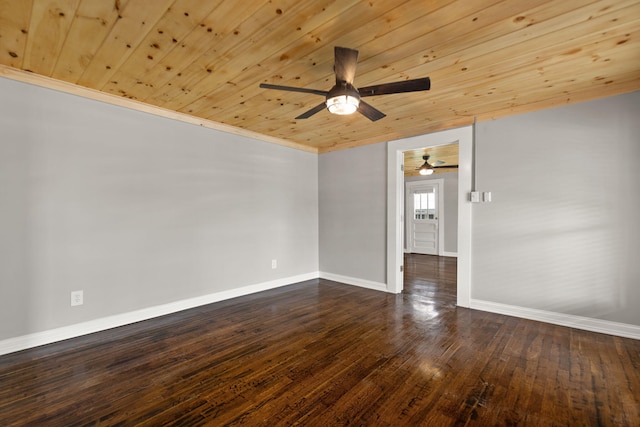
{"points": [[320, 353]]}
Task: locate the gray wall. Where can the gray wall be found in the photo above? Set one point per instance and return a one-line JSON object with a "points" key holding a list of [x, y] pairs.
{"points": [[352, 198], [450, 190], [138, 210], [562, 232]]}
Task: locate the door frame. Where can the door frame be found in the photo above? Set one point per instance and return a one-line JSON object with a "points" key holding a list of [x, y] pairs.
{"points": [[395, 205], [410, 186]]}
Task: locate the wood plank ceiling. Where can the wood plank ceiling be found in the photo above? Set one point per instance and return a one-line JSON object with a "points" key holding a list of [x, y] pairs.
{"points": [[205, 59]]}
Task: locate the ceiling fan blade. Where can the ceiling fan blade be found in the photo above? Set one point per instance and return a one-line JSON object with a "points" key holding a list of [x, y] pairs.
{"points": [[414, 85], [294, 89], [369, 112], [312, 111], [446, 167], [345, 64]]}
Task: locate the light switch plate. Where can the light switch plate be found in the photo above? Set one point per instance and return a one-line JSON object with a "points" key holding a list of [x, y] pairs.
{"points": [[77, 298]]}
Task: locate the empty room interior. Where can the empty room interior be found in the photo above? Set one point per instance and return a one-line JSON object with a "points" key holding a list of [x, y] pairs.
{"points": [[320, 213]]}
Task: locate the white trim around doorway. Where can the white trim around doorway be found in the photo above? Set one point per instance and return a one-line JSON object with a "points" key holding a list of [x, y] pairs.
{"points": [[395, 205]]}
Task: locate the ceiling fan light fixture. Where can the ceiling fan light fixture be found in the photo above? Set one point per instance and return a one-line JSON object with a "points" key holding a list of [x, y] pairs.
{"points": [[343, 99], [424, 170], [343, 104]]}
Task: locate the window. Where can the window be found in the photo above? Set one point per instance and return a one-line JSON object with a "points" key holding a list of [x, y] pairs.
{"points": [[424, 205]]}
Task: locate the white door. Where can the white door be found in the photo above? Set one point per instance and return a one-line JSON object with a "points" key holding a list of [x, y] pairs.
{"points": [[423, 221]]}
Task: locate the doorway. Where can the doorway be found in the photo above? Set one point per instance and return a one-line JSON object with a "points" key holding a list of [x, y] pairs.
{"points": [[395, 207]]}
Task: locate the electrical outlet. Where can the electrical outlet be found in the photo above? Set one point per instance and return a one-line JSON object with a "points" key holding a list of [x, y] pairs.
{"points": [[77, 298], [274, 263]]}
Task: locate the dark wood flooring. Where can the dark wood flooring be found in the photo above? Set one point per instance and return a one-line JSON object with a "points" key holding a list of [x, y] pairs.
{"points": [[320, 353]]}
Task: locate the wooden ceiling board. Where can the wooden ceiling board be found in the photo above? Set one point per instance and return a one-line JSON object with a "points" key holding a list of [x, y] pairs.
{"points": [[50, 23], [203, 61], [183, 19], [87, 30], [14, 28], [135, 21], [480, 99], [210, 68], [538, 83], [175, 47], [461, 67]]}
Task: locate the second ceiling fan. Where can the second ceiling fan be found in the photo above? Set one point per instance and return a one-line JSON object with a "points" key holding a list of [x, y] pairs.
{"points": [[428, 168], [344, 97]]}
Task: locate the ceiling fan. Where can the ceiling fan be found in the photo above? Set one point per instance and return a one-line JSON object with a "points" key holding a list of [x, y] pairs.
{"points": [[344, 97], [427, 168]]}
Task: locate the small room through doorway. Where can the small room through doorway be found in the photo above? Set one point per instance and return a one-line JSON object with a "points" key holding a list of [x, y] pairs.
{"points": [[431, 222]]}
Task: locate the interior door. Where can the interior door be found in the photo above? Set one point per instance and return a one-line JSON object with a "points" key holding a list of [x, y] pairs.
{"points": [[424, 220]]}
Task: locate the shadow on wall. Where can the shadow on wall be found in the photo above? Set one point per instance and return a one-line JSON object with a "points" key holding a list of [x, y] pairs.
{"points": [[560, 234]]}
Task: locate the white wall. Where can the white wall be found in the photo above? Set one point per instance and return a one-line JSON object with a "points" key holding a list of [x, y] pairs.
{"points": [[138, 210], [562, 232], [450, 190]]}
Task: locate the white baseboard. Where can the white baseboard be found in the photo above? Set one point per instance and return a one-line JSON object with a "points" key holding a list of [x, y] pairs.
{"points": [[46, 337], [570, 320], [363, 283]]}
